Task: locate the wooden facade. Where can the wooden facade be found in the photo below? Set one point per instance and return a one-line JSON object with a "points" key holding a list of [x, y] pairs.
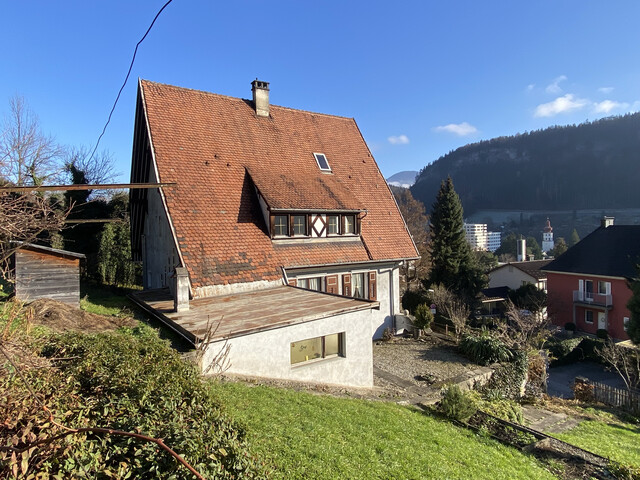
{"points": [[42, 272]]}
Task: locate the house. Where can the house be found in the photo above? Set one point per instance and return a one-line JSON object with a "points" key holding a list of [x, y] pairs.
{"points": [[588, 283], [274, 223], [43, 272], [516, 274]]}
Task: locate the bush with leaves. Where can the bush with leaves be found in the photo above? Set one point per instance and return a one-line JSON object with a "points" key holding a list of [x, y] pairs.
{"points": [[423, 315], [484, 349], [457, 404], [509, 378], [130, 381], [502, 407], [411, 299]]}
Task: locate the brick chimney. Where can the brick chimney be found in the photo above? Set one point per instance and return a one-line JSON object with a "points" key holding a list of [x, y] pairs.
{"points": [[260, 92]]}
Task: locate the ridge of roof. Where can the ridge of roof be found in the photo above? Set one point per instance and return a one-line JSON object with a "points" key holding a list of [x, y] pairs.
{"points": [[610, 251], [229, 97]]}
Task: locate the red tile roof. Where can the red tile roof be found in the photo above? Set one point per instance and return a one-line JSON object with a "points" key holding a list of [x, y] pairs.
{"points": [[216, 149]]}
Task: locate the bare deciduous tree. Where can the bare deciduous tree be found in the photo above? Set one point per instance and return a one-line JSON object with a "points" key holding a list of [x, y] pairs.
{"points": [[523, 330], [625, 361], [452, 306], [219, 363], [27, 156]]}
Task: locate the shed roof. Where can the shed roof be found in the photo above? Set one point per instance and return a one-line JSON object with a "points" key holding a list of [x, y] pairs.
{"points": [[219, 151], [52, 251]]}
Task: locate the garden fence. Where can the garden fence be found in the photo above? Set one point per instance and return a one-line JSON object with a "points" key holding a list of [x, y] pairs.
{"points": [[617, 397]]}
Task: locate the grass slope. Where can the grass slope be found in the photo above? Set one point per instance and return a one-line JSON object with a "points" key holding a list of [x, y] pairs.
{"points": [[301, 435], [608, 436]]}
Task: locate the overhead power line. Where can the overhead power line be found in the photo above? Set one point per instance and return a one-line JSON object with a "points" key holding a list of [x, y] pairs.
{"points": [[133, 59]]}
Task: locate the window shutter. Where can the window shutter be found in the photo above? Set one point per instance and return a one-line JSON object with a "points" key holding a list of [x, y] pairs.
{"points": [[356, 227], [291, 225], [272, 225], [293, 282], [346, 284], [332, 284], [373, 288], [309, 225]]}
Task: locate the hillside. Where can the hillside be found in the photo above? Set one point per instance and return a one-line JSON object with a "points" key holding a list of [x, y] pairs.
{"points": [[403, 179], [592, 165]]}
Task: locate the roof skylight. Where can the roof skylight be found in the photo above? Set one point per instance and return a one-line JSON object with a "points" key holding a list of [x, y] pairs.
{"points": [[323, 163]]}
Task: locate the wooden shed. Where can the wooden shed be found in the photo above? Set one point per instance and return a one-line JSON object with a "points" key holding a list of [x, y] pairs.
{"points": [[43, 272]]}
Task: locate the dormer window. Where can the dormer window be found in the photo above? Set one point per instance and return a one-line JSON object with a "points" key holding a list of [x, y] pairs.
{"points": [[299, 225], [349, 226], [323, 163], [280, 226], [333, 227]]}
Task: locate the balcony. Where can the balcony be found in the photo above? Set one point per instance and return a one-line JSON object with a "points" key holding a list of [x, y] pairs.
{"points": [[590, 298]]}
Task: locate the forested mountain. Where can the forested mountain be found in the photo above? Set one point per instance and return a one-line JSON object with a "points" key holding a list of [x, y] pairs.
{"points": [[592, 165]]}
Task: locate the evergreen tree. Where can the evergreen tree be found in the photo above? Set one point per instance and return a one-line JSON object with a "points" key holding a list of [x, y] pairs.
{"points": [[559, 248], [633, 330], [453, 264], [533, 248], [574, 238]]}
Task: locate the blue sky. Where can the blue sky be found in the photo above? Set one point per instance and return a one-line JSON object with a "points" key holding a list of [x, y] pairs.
{"points": [[421, 78]]}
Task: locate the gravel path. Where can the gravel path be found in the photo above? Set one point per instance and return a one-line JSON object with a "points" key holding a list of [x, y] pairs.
{"points": [[422, 362]]}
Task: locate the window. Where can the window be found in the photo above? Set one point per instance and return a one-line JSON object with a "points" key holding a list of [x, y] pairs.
{"points": [[315, 283], [357, 285], [299, 224], [327, 346], [323, 163], [625, 323], [280, 225], [588, 316], [333, 222], [604, 288], [349, 224]]}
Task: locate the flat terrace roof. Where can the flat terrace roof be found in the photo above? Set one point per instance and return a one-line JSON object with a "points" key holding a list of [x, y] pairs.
{"points": [[248, 312]]}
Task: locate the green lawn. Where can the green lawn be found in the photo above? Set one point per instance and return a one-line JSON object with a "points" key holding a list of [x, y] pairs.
{"points": [[105, 301], [607, 436], [300, 435]]}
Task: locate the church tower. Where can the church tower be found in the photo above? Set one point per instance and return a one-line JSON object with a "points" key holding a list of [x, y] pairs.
{"points": [[547, 237]]}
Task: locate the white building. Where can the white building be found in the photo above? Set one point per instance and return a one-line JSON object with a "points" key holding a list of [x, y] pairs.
{"points": [[476, 235], [547, 237], [494, 240]]}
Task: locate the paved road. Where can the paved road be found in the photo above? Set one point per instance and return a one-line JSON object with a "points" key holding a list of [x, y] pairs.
{"points": [[561, 378]]}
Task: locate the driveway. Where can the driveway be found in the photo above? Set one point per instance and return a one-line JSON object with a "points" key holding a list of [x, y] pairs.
{"points": [[561, 378]]}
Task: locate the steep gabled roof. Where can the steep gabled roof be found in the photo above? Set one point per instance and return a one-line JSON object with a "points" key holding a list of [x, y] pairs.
{"points": [[219, 152], [613, 252]]}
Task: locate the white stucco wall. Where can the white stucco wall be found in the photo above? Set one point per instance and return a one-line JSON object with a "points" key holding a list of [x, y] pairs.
{"points": [[268, 353], [388, 286], [509, 276]]}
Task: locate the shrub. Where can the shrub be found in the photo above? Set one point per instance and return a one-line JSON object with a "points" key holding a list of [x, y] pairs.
{"points": [[507, 380], [500, 407], [570, 326], [423, 315], [583, 349], [125, 381], [484, 349], [412, 298], [602, 333], [456, 404], [583, 390]]}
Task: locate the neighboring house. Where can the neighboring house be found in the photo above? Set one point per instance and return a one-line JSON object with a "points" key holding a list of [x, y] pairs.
{"points": [[516, 274], [588, 283], [274, 223], [43, 272]]}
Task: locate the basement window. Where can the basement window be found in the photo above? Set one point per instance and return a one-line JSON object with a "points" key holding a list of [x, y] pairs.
{"points": [[327, 346], [323, 163]]}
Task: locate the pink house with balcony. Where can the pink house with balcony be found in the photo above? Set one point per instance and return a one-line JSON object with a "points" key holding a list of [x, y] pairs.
{"points": [[588, 284]]}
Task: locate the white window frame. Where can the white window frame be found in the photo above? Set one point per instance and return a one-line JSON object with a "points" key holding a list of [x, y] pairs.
{"points": [[607, 288], [625, 323], [586, 312], [316, 155]]}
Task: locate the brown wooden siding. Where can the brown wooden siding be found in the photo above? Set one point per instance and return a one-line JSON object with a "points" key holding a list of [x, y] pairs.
{"points": [[41, 275]]}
